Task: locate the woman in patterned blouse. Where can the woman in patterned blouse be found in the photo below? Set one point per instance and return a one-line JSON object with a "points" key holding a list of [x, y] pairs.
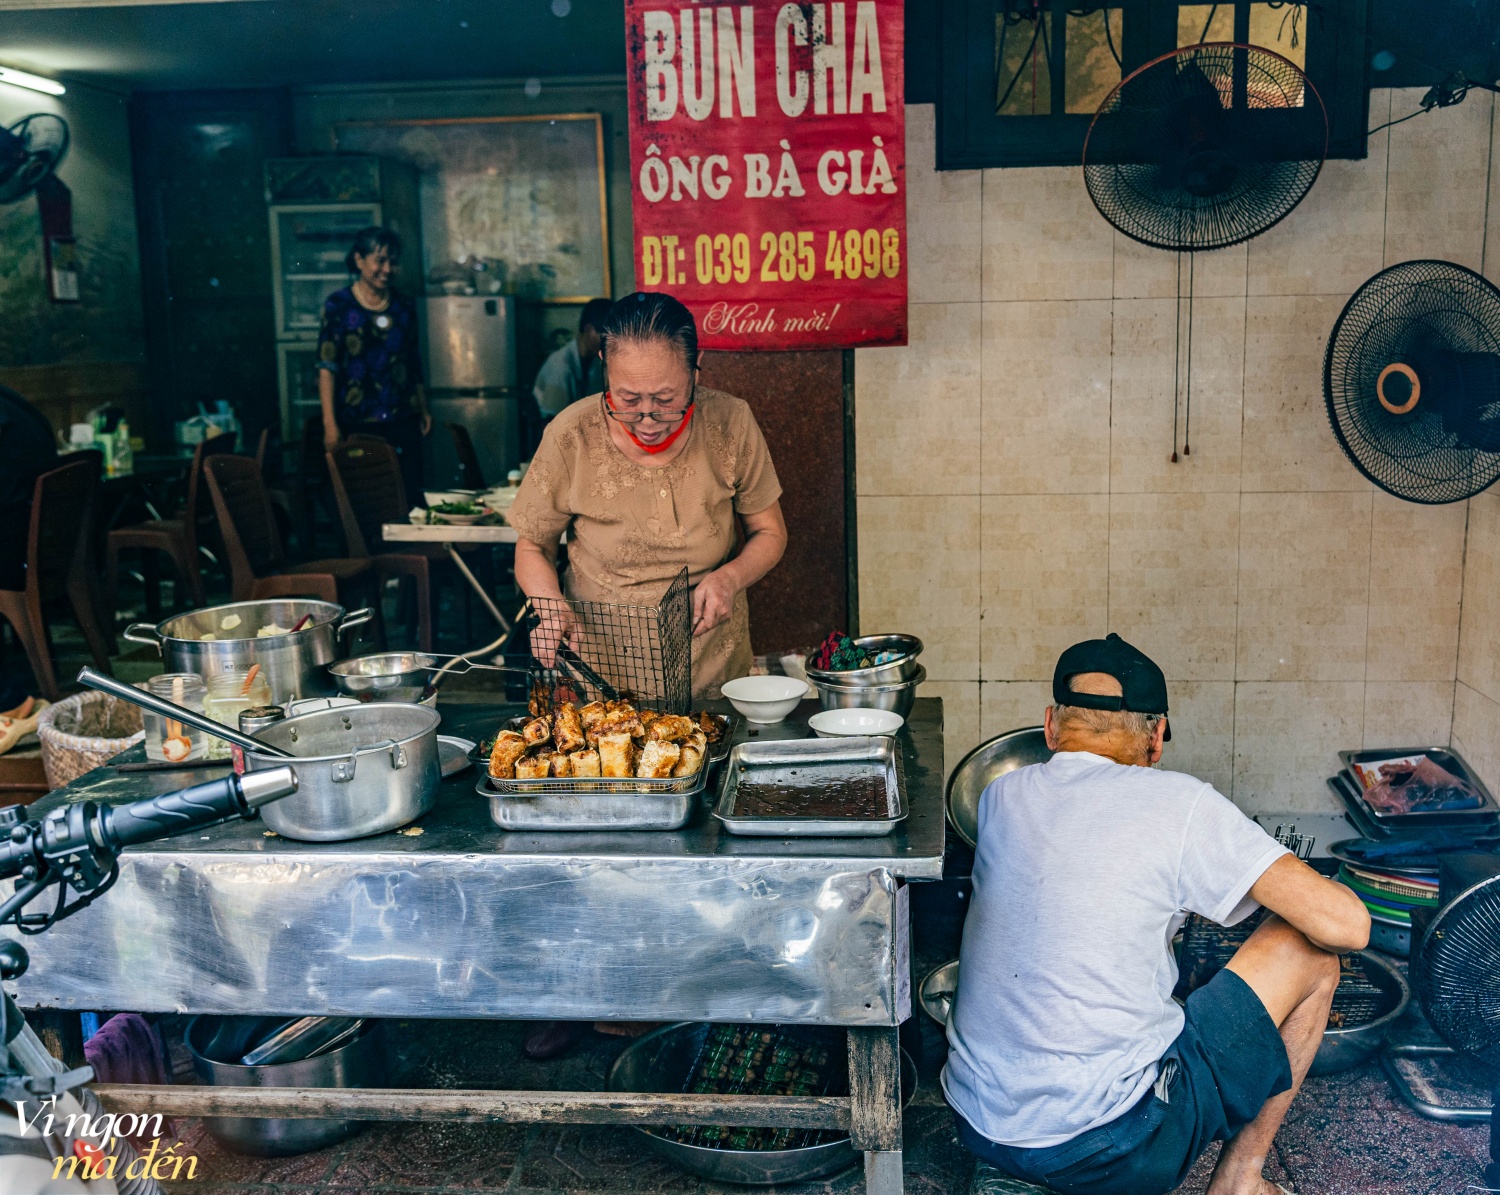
{"points": [[369, 360]]}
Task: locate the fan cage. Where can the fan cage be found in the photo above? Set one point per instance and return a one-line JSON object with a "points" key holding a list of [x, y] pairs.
{"points": [[1458, 972], [1410, 311], [1273, 108]]}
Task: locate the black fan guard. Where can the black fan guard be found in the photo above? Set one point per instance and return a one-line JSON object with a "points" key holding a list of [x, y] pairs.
{"points": [[1169, 165], [1457, 972], [1447, 448]]}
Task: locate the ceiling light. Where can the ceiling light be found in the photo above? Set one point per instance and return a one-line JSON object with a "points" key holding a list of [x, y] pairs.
{"points": [[34, 82]]}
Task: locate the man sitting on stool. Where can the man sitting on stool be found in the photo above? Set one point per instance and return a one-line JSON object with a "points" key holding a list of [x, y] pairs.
{"points": [[1071, 1066]]}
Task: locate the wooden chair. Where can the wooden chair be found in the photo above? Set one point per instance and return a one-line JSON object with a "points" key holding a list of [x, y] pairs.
{"points": [[58, 566], [367, 486], [257, 563], [176, 538], [468, 459]]}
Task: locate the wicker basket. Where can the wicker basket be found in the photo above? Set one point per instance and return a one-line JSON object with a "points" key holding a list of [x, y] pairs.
{"points": [[80, 733]]}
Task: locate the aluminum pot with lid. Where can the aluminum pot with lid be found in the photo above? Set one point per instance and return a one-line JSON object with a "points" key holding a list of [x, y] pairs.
{"points": [[294, 663], [361, 770]]}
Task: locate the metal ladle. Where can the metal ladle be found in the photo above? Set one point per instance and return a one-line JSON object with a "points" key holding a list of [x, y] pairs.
{"points": [[170, 709]]}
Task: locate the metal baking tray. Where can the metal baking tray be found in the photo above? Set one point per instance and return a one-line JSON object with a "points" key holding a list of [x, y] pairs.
{"points": [[562, 803], [807, 763], [1444, 757]]}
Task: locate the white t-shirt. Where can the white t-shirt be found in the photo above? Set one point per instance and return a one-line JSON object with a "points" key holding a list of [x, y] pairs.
{"points": [[1085, 870], [564, 379]]}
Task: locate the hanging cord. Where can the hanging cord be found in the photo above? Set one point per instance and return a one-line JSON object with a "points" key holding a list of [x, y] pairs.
{"points": [[1177, 358], [1187, 423]]}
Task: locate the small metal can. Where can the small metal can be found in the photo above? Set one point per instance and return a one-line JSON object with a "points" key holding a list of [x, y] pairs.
{"points": [[259, 717]]}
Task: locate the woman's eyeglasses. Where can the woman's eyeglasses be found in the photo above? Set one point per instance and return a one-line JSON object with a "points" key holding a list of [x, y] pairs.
{"points": [[633, 417]]}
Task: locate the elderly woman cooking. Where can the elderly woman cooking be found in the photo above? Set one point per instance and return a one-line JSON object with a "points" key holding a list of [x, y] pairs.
{"points": [[646, 479]]}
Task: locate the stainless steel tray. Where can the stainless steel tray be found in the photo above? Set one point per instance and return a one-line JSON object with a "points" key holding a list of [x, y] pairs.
{"points": [[803, 763], [562, 803], [1444, 757]]}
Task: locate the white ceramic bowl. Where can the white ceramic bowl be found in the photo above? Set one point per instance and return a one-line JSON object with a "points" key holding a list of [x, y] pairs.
{"points": [[765, 699], [835, 724]]}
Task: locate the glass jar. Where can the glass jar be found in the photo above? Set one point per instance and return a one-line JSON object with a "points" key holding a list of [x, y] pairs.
{"points": [[229, 695], [167, 738]]}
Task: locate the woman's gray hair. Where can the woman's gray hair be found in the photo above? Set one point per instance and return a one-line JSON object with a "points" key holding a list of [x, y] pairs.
{"points": [[1137, 725], [645, 317]]}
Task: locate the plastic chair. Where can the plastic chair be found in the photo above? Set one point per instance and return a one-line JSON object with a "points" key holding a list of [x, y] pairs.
{"points": [[468, 459], [176, 538], [367, 486], [59, 564], [257, 563]]}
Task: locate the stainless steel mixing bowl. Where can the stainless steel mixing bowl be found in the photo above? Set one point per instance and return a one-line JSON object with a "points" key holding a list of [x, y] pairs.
{"points": [[662, 1061], [1342, 1048], [989, 761], [903, 667]]}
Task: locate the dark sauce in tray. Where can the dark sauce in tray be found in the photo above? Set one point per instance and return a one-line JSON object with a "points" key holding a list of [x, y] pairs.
{"points": [[853, 792]]}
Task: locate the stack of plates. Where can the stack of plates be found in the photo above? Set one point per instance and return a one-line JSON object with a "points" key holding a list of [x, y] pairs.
{"points": [[1391, 893]]}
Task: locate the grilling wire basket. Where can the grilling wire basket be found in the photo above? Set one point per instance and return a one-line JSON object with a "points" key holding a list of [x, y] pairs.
{"points": [[608, 651]]}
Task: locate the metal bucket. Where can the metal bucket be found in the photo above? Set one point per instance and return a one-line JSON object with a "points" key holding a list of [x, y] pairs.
{"points": [[294, 664], [357, 1064], [361, 770], [989, 761], [662, 1061], [1342, 1048]]}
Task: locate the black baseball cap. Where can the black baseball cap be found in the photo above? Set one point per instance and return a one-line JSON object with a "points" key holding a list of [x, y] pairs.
{"points": [[1143, 685]]}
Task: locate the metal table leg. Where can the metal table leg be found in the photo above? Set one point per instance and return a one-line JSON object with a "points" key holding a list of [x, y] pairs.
{"points": [[875, 1106], [477, 587]]}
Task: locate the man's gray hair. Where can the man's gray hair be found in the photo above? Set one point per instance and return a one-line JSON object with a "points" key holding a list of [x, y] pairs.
{"points": [[1076, 717]]}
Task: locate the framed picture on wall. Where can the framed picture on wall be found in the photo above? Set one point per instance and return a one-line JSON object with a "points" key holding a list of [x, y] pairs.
{"points": [[510, 204]]}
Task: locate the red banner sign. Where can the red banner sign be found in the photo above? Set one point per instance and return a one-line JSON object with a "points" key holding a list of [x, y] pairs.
{"points": [[768, 154]]}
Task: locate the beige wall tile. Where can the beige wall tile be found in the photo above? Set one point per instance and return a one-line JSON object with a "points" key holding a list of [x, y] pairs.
{"points": [[1010, 705], [1046, 397], [1202, 721], [919, 573], [1333, 240], [1288, 444], [1143, 272], [1044, 580], [1476, 733], [1479, 636], [1407, 713], [1416, 582], [1173, 572], [1492, 228], [1287, 736], [960, 718], [1043, 237], [1304, 579], [1435, 196], [942, 219], [1143, 374], [917, 408]]}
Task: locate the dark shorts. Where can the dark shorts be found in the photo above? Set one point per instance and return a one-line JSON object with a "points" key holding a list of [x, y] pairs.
{"points": [[1225, 1064]]}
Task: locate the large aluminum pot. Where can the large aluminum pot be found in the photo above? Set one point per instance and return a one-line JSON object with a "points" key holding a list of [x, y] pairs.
{"points": [[361, 770], [294, 665], [1341, 1049], [360, 1063]]}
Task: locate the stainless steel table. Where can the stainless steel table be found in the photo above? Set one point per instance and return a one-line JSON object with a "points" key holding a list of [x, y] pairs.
{"points": [[465, 920]]}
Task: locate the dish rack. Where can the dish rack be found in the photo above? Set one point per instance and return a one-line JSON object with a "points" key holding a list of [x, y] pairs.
{"points": [[611, 651]]}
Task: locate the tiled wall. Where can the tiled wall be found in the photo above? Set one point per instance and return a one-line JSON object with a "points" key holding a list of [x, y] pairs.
{"points": [[1015, 492]]}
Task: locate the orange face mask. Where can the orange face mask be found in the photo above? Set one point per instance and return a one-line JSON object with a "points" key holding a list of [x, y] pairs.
{"points": [[653, 449]]}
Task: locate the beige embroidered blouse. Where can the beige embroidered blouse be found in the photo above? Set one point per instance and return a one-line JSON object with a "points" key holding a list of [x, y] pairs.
{"points": [[632, 528]]}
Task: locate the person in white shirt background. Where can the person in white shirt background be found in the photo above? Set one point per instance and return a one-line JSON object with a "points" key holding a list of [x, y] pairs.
{"points": [[573, 371], [1070, 1063]]}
